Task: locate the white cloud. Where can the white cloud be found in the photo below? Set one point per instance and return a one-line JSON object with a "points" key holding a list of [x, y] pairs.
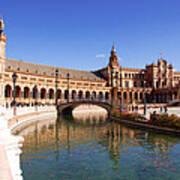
{"points": [[100, 55], [120, 58]]}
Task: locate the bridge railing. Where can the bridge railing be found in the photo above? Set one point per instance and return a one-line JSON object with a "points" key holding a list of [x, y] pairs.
{"points": [[76, 100]]}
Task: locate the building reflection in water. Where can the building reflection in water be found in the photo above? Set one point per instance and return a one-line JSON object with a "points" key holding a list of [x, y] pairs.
{"points": [[66, 133]]}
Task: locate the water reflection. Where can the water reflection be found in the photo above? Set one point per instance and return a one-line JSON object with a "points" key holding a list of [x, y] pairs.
{"points": [[89, 117], [100, 145]]}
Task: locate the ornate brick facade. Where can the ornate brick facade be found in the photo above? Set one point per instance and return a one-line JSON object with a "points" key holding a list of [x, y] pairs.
{"points": [[39, 83]]}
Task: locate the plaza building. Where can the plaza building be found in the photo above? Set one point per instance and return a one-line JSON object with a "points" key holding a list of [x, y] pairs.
{"points": [[41, 84]]}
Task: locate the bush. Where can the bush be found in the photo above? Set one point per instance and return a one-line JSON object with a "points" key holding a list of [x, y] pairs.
{"points": [[126, 115], [166, 120]]}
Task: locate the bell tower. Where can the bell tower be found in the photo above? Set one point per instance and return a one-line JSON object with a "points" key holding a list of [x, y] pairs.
{"points": [[113, 61], [113, 75], [113, 69], [2, 60]]}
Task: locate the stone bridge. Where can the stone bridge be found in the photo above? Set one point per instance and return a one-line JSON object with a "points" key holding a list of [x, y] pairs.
{"points": [[67, 107]]}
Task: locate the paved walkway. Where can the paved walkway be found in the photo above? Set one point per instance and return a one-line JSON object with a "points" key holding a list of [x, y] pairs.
{"points": [[171, 110], [5, 173]]}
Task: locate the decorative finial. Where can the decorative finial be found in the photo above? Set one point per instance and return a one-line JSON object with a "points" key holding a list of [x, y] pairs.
{"points": [[113, 48], [161, 54]]}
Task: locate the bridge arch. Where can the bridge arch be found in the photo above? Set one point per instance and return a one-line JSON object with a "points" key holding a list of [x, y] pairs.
{"points": [[65, 108]]}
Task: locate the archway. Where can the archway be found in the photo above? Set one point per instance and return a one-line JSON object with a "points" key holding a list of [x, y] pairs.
{"points": [[136, 96], [130, 97], [43, 93], [100, 95], [94, 94], [51, 94], [59, 94], [141, 97], [26, 92], [66, 94], [87, 95], [125, 96], [80, 95], [8, 91], [18, 92], [35, 93], [73, 94], [107, 95]]}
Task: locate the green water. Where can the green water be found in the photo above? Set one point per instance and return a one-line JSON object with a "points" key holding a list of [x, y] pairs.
{"points": [[97, 149]]}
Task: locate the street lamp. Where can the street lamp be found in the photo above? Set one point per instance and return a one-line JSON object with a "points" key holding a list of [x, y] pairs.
{"points": [[117, 75], [35, 91], [68, 76], [56, 82], [14, 76], [119, 97], [112, 72], [145, 106], [112, 84]]}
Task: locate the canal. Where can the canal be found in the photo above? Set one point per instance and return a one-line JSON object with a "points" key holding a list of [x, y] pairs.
{"points": [[88, 146]]}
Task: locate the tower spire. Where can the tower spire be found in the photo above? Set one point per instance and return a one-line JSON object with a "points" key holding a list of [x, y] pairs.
{"points": [[161, 54], [113, 58], [113, 48], [1, 24], [113, 51]]}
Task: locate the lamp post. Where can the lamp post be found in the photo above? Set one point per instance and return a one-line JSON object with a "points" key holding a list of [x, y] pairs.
{"points": [[35, 89], [145, 106], [117, 75], [112, 84], [68, 76], [14, 76], [56, 82]]}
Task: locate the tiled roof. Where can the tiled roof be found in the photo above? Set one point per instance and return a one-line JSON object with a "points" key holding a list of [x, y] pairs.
{"points": [[177, 73], [131, 69], [33, 68]]}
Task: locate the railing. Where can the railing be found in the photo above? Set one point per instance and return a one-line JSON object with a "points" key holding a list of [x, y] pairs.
{"points": [[90, 100], [12, 111]]}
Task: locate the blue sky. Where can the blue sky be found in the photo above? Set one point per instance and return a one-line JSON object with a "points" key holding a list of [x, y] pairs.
{"points": [[79, 33]]}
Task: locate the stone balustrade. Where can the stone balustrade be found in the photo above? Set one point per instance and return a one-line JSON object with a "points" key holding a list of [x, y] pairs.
{"points": [[10, 145]]}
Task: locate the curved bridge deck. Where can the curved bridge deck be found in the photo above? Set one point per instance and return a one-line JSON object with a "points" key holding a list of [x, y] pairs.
{"points": [[67, 107]]}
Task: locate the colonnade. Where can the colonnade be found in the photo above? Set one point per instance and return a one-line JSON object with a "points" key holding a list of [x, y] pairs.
{"points": [[41, 95], [29, 95]]}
